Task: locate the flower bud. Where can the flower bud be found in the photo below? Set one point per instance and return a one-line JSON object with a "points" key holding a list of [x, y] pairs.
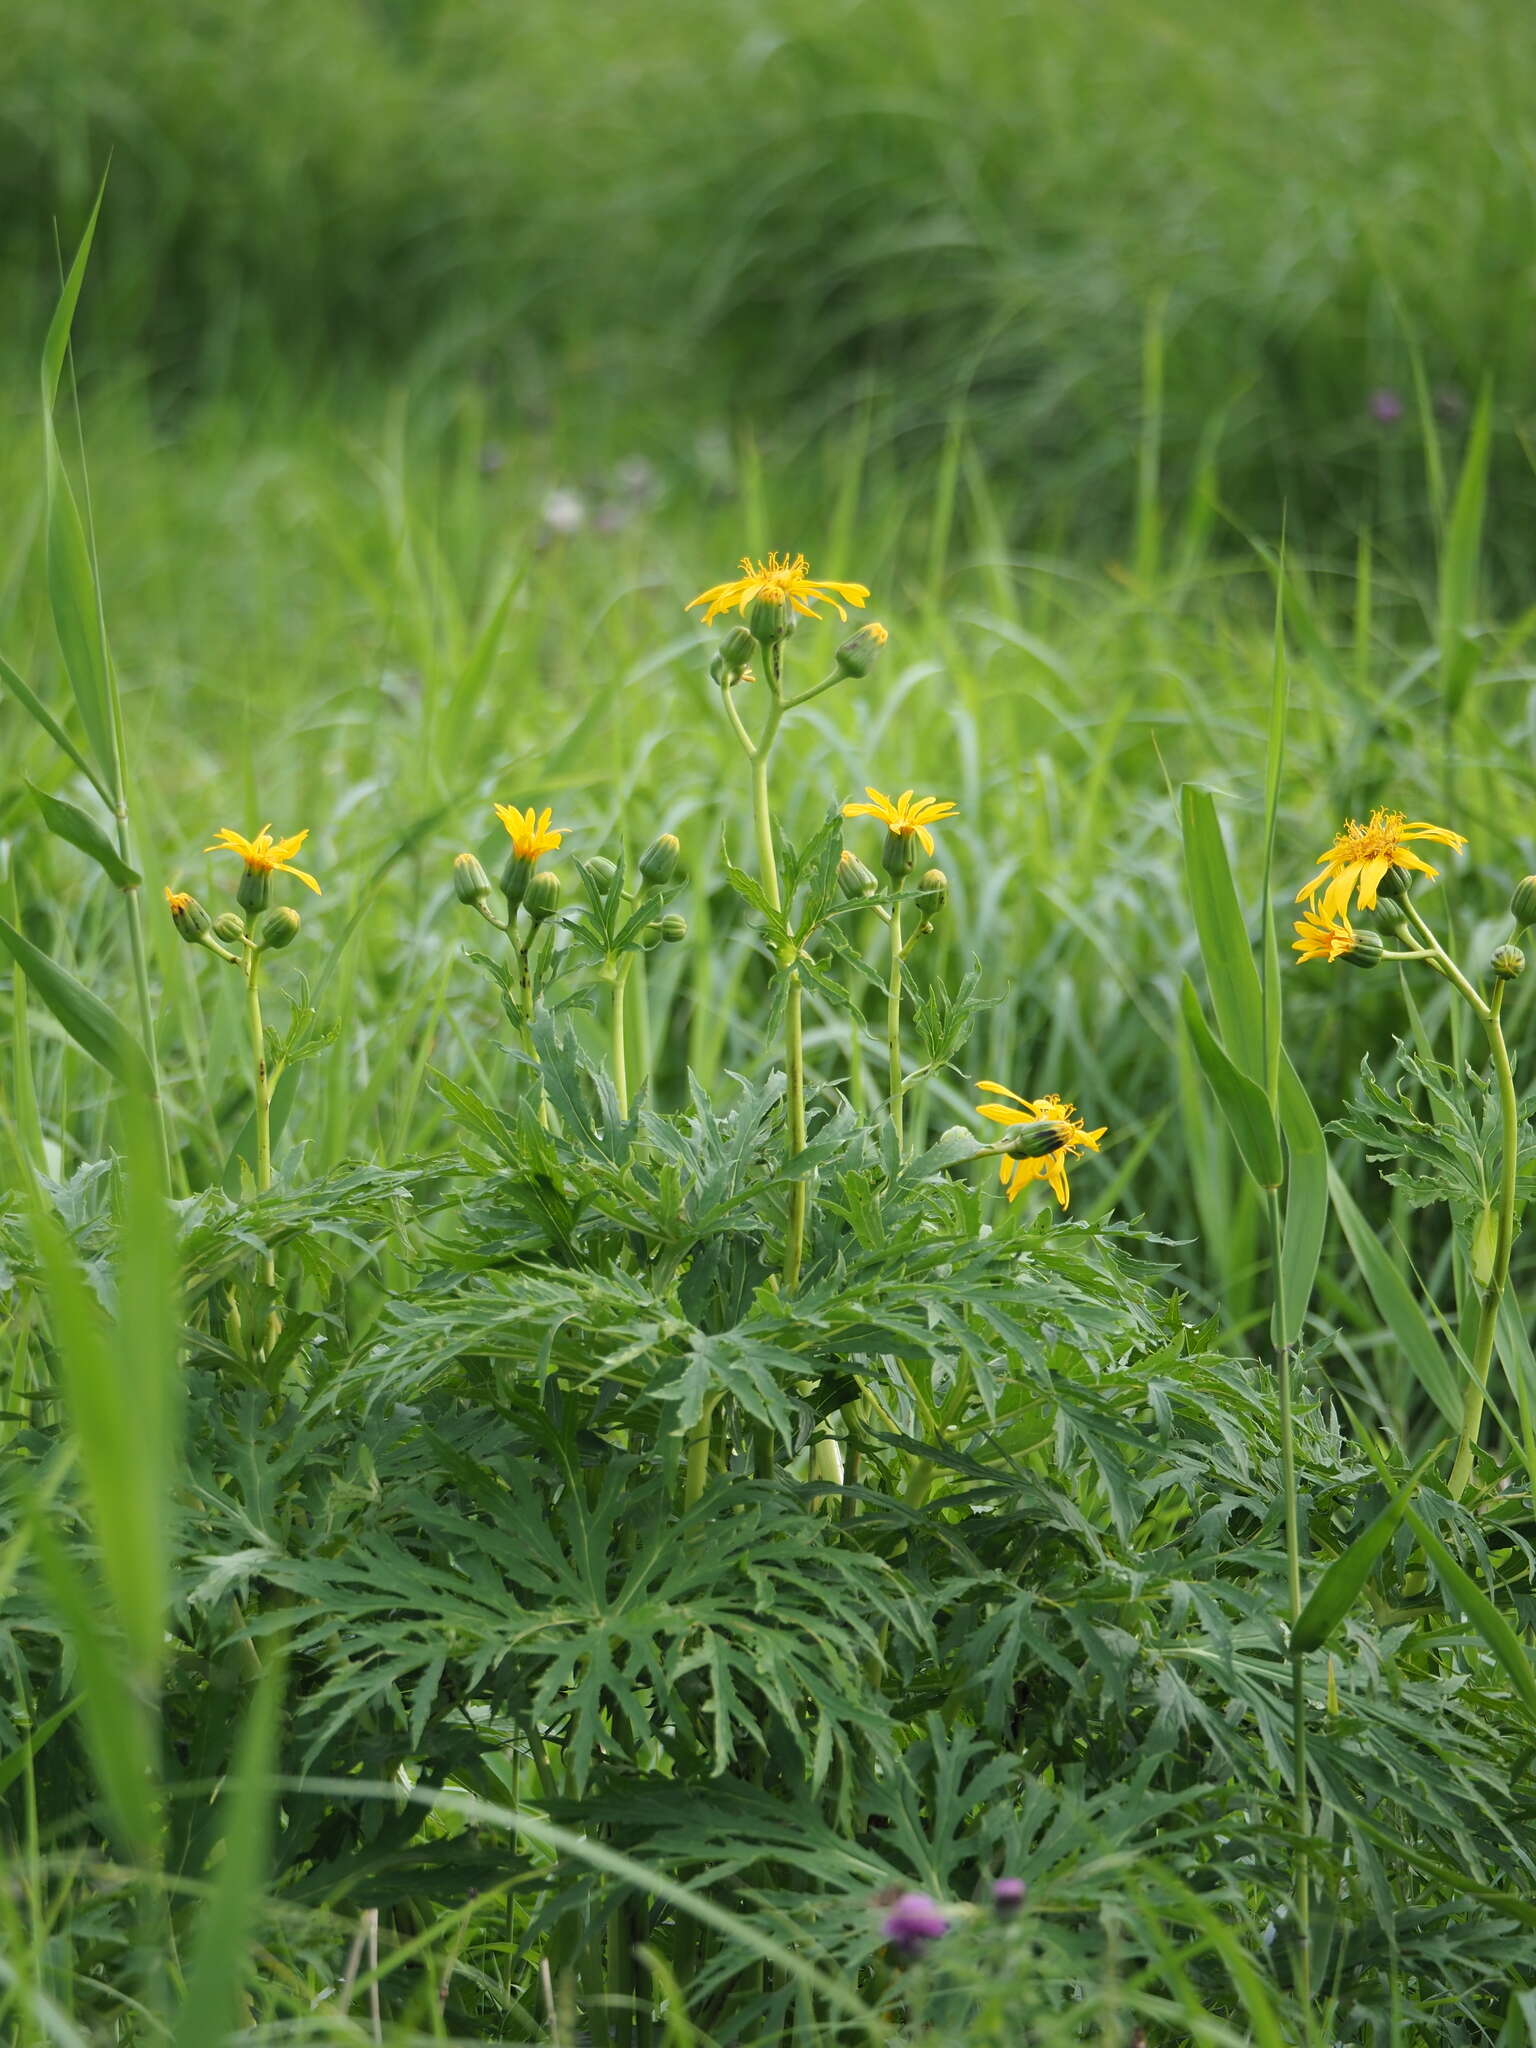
{"points": [[1508, 963], [861, 650], [660, 859], [1395, 882], [1366, 951], [1522, 905], [541, 898], [1037, 1139], [673, 928], [471, 884], [255, 890], [515, 878], [898, 854], [1008, 1895], [601, 871], [229, 926], [933, 892], [730, 663], [770, 619], [188, 916], [1392, 912], [278, 928], [853, 878]]}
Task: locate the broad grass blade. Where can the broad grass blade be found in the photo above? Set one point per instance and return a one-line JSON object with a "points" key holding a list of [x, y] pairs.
{"points": [[1229, 970], [119, 1395], [84, 1016], [68, 822], [213, 2003], [30, 702], [1243, 1102]]}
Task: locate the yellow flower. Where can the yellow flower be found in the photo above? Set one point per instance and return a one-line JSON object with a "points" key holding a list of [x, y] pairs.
{"points": [[1360, 857], [1318, 938], [177, 901], [780, 581], [1018, 1174], [529, 830], [264, 854], [902, 816]]}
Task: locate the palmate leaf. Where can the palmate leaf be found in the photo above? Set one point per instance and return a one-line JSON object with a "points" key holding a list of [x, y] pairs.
{"points": [[602, 1618]]}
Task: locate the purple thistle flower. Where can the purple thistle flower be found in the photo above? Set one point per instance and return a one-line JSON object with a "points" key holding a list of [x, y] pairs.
{"points": [[912, 1923], [1385, 407], [1008, 1896]]}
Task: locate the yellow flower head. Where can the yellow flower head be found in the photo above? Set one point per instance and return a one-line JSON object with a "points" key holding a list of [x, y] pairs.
{"points": [[785, 580], [1360, 857], [1319, 938], [1018, 1174], [902, 816], [529, 830], [265, 855], [177, 901]]}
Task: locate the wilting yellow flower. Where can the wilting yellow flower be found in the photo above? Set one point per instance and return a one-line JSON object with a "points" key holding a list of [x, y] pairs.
{"points": [[1069, 1135], [1360, 857], [785, 580], [1321, 938], [265, 855], [529, 830], [177, 902], [902, 816]]}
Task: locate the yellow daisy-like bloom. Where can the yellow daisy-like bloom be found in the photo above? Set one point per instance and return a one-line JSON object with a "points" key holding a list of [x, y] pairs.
{"points": [[782, 580], [529, 830], [1320, 938], [1018, 1174], [265, 855], [902, 816], [1360, 857]]}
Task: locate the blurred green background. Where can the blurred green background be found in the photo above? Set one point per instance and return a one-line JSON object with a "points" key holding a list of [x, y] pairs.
{"points": [[628, 220]]}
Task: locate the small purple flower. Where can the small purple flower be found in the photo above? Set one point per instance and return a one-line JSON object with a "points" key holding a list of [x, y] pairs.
{"points": [[1008, 1896], [1385, 407], [912, 1923]]}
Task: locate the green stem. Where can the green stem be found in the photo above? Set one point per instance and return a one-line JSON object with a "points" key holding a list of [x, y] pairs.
{"points": [[1443, 961], [1498, 1278], [1301, 1880], [794, 1040], [262, 1082], [893, 1027], [620, 1061], [525, 1005]]}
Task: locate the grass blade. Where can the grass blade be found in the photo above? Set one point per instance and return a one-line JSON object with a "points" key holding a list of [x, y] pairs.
{"points": [[1224, 946], [84, 1016]]}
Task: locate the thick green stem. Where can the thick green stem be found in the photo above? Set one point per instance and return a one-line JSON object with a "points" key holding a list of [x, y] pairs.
{"points": [[1301, 1881], [698, 1453], [1504, 1239], [893, 1027]]}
